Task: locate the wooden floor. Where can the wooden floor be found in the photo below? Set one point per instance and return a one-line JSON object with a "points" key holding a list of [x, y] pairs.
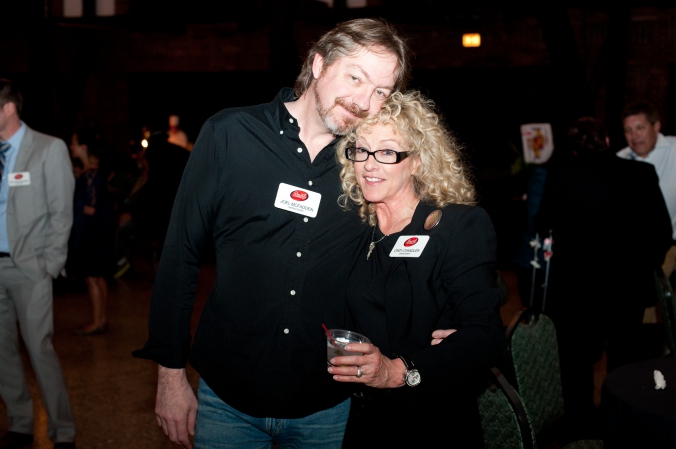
{"points": [[113, 394]]}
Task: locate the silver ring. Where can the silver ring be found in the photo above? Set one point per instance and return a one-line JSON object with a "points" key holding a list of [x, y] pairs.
{"points": [[359, 372]]}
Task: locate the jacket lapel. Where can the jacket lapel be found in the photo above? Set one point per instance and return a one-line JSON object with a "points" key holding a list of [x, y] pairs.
{"points": [[24, 153], [398, 307], [21, 164]]}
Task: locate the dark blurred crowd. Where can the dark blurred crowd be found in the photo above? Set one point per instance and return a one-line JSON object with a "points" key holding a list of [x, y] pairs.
{"points": [[139, 183], [599, 233]]}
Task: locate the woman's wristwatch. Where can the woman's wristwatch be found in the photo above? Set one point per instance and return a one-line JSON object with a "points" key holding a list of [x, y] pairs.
{"points": [[411, 376]]}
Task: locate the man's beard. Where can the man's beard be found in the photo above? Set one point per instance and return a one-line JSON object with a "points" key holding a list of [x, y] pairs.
{"points": [[330, 121]]}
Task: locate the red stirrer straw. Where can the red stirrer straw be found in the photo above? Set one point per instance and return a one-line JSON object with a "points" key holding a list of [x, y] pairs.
{"points": [[330, 336]]}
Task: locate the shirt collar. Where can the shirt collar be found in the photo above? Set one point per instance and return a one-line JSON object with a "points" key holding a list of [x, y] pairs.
{"points": [[661, 141], [17, 137], [281, 115]]}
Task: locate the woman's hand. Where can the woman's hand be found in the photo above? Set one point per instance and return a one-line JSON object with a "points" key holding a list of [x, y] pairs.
{"points": [[376, 370], [439, 335]]}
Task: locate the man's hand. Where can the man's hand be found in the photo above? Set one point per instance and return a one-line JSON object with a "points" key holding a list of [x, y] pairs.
{"points": [[439, 335], [175, 406]]}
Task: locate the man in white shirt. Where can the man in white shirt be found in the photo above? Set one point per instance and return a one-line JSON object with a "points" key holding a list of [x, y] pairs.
{"points": [[641, 123]]}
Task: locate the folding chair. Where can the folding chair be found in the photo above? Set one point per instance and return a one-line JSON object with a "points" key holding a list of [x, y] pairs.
{"points": [[533, 351], [504, 421]]}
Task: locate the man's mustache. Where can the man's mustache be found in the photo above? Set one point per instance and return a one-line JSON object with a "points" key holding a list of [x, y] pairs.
{"points": [[353, 108]]}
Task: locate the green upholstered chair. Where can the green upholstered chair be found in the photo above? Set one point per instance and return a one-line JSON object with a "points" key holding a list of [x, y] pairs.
{"points": [[667, 305], [503, 418], [534, 354], [533, 350]]}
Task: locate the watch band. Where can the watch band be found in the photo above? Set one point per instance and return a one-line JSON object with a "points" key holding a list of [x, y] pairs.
{"points": [[407, 363], [411, 376]]}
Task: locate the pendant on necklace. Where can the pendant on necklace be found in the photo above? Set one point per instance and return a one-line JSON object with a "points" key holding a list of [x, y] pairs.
{"points": [[371, 246]]}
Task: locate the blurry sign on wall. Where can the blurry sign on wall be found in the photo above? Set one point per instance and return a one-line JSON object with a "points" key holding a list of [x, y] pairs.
{"points": [[105, 8], [538, 144], [72, 8]]}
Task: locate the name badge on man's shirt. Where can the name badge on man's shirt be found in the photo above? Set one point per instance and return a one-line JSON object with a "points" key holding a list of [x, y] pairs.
{"points": [[22, 178], [409, 246], [298, 200]]}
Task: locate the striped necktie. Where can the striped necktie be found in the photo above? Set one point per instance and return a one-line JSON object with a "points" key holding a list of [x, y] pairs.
{"points": [[4, 146]]}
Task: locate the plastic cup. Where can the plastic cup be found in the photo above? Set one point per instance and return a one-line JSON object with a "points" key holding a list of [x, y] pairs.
{"points": [[342, 338]]}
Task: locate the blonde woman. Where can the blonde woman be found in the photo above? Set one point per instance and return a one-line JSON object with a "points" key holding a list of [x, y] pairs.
{"points": [[426, 263]]}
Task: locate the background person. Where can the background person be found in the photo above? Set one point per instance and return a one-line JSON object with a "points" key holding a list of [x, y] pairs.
{"points": [[642, 125], [611, 229], [176, 135], [404, 172], [36, 214], [92, 240]]}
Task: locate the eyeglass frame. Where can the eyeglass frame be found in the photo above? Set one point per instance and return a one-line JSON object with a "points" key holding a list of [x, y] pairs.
{"points": [[401, 155]]}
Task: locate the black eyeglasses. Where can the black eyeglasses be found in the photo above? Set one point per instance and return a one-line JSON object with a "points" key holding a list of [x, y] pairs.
{"points": [[357, 154]]}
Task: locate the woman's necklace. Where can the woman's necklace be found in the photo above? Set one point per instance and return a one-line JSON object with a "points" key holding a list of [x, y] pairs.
{"points": [[372, 245]]}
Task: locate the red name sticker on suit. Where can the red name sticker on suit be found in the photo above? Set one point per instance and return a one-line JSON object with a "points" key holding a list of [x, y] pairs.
{"points": [[19, 179], [298, 200], [409, 246]]}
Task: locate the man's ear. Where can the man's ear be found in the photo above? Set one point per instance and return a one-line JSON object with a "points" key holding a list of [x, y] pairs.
{"points": [[657, 126], [317, 65], [9, 108]]}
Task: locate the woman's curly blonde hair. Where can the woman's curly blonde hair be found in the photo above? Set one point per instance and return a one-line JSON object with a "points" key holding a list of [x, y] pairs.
{"points": [[442, 177]]}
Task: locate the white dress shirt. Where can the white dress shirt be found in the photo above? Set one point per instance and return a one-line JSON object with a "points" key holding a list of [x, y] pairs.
{"points": [[663, 157]]}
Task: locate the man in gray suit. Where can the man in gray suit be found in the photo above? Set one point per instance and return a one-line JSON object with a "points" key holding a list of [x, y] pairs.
{"points": [[36, 214]]}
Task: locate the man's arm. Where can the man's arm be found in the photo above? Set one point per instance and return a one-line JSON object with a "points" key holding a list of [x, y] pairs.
{"points": [[190, 230], [175, 405], [59, 188]]}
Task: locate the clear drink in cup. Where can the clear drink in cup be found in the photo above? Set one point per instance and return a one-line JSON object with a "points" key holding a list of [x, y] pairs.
{"points": [[341, 339]]}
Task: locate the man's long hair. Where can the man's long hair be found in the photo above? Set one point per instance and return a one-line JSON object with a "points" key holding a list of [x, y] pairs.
{"points": [[346, 39]]}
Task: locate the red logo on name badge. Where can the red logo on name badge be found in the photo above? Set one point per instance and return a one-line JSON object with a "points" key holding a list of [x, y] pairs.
{"points": [[18, 176], [299, 195], [410, 242]]}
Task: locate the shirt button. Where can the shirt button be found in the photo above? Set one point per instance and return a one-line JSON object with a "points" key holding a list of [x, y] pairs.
{"points": [[309, 183], [281, 132], [297, 254], [290, 120], [305, 219], [293, 292], [286, 331], [300, 150]]}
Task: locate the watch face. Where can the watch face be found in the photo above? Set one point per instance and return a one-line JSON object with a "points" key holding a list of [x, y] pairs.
{"points": [[412, 378]]}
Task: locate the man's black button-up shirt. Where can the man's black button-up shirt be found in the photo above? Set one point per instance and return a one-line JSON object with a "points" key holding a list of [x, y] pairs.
{"points": [[259, 345]]}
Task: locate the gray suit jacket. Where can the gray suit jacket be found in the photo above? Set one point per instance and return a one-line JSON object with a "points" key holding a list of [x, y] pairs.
{"points": [[40, 215]]}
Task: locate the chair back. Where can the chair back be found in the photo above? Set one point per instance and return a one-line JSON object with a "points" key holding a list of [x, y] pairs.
{"points": [[533, 350], [504, 421], [667, 305]]}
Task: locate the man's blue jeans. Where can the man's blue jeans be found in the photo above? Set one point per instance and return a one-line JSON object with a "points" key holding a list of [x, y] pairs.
{"points": [[220, 426]]}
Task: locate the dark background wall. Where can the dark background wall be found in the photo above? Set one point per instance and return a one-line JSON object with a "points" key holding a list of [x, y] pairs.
{"points": [[538, 62]]}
